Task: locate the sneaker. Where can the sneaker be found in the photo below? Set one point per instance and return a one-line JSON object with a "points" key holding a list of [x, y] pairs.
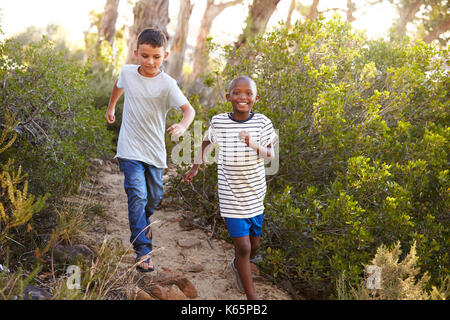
{"points": [[238, 279]]}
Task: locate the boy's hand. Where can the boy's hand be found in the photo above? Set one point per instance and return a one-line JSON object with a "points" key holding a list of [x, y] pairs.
{"points": [[176, 130], [109, 116], [245, 137], [190, 175]]}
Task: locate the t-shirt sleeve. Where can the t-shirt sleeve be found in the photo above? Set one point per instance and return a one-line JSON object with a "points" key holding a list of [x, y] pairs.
{"points": [[176, 96], [210, 135], [120, 80], [268, 134]]}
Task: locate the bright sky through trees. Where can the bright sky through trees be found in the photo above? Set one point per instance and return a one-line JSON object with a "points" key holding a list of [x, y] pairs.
{"points": [[74, 16]]}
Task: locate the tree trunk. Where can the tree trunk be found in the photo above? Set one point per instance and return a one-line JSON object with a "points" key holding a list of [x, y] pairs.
{"points": [[147, 14], [350, 10], [178, 47], [211, 12], [258, 17], [407, 14], [437, 31], [289, 16], [108, 24], [313, 10]]}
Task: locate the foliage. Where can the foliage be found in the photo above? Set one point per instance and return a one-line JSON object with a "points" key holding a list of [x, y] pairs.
{"points": [[49, 129], [16, 204], [363, 150], [398, 280], [50, 94]]}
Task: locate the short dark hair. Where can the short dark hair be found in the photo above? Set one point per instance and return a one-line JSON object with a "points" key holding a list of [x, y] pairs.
{"points": [[152, 36], [245, 78]]}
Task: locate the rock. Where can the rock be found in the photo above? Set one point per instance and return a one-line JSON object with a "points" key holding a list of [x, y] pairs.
{"points": [[172, 277], [97, 162], [193, 268], [35, 293], [158, 292], [176, 294], [67, 253], [187, 287], [189, 243], [166, 275], [140, 294]]}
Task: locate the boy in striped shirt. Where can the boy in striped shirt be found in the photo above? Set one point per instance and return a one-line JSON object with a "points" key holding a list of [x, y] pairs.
{"points": [[245, 138]]}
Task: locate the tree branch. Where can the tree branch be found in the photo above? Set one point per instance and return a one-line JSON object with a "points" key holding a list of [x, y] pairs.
{"points": [[437, 31]]}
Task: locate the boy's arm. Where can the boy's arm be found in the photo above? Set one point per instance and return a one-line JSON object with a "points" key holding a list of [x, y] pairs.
{"points": [[115, 95], [179, 129], [265, 152], [197, 162]]}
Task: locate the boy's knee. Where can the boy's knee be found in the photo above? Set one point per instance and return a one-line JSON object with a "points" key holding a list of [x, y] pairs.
{"points": [[243, 249]]}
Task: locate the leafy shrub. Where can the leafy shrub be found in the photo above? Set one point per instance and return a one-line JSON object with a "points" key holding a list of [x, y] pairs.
{"points": [[363, 150], [58, 129], [54, 133], [17, 206], [396, 280]]}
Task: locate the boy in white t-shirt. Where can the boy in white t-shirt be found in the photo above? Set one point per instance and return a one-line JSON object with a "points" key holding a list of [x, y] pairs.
{"points": [[149, 94]]}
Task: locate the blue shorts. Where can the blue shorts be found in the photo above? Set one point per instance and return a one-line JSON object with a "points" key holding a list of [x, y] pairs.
{"points": [[238, 227]]}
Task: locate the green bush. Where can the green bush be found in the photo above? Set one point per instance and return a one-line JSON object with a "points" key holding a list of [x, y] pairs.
{"points": [[363, 150], [58, 129]]}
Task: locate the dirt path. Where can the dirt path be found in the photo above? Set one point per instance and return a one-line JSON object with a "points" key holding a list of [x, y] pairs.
{"points": [[175, 248]]}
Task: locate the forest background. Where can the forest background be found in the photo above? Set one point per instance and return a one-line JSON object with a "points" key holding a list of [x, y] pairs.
{"points": [[363, 150]]}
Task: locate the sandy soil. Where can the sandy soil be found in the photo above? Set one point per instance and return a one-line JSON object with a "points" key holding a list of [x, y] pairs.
{"points": [[216, 280]]}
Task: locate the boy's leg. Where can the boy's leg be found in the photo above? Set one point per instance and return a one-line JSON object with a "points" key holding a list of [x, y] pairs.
{"points": [[254, 242], [239, 231], [155, 189], [255, 234], [242, 250], [136, 189]]}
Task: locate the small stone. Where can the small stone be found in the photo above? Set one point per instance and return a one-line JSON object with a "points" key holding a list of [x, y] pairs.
{"points": [[187, 287], [165, 275], [35, 293], [176, 294], [63, 253], [158, 292], [193, 268], [141, 295], [97, 162], [189, 243]]}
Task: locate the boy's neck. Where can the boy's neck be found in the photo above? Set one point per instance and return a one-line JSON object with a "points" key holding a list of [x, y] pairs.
{"points": [[148, 75], [240, 116]]}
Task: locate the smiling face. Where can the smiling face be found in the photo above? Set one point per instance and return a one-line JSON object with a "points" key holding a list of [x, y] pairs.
{"points": [[242, 95], [150, 59]]}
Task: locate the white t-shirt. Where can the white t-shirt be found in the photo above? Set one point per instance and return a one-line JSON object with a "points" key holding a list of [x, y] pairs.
{"points": [[147, 101], [241, 172]]}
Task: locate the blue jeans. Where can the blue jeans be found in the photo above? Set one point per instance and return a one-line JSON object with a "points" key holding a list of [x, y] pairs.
{"points": [[144, 187]]}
